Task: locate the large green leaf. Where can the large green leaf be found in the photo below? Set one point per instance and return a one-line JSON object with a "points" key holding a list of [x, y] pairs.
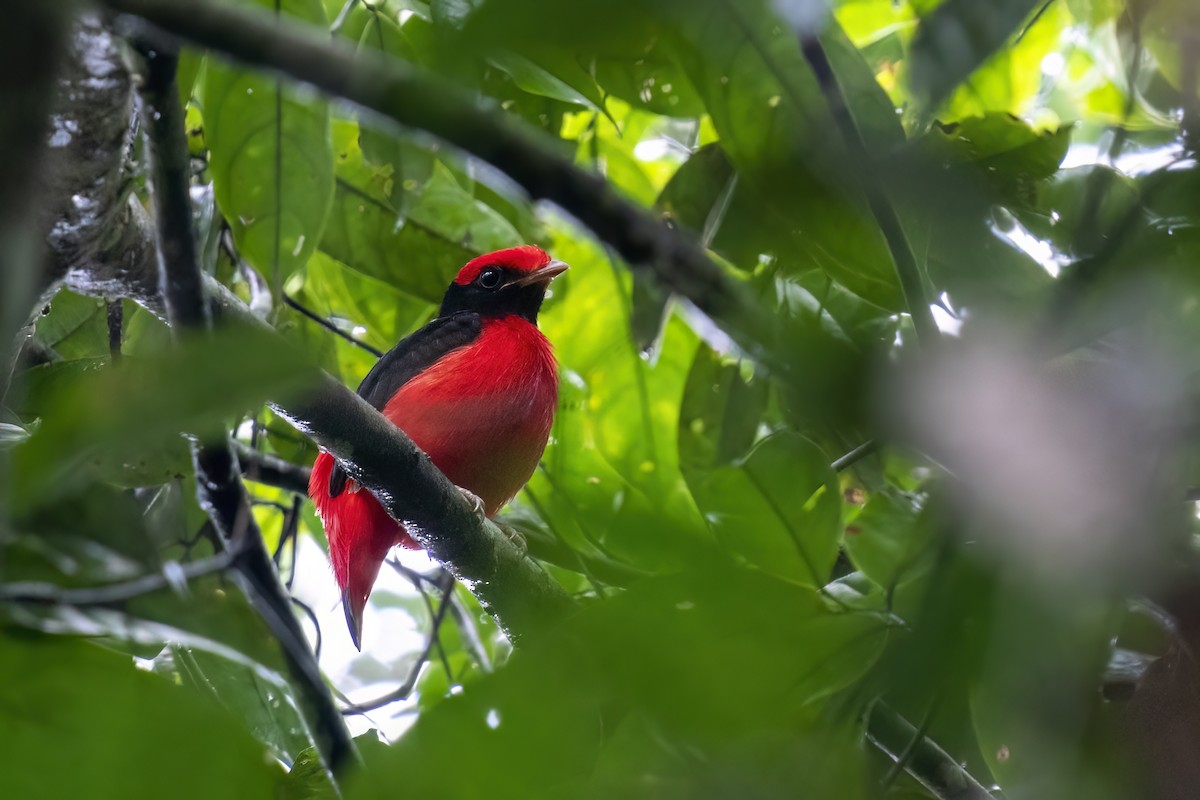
{"points": [[610, 477], [779, 508], [124, 732], [417, 252], [266, 708], [270, 157], [958, 36], [774, 125]]}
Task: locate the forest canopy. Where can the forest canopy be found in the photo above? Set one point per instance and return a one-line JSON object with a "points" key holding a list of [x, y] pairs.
{"points": [[871, 474]]}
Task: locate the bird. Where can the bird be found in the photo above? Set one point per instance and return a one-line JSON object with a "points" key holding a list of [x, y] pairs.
{"points": [[476, 389]]}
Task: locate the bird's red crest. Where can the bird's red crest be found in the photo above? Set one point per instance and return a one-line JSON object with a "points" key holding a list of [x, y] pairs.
{"points": [[525, 258]]}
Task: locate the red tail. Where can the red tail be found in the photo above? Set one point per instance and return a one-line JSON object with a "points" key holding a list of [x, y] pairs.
{"points": [[360, 534]]}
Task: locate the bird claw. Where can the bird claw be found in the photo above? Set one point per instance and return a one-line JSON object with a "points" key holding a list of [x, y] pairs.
{"points": [[476, 503], [516, 537]]}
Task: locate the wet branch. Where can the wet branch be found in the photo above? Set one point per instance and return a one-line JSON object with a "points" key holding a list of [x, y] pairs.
{"points": [[219, 486]]}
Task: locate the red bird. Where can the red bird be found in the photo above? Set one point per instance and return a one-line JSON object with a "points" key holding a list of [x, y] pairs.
{"points": [[476, 389]]}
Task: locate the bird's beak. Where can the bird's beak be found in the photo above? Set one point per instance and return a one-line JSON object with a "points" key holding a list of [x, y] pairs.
{"points": [[542, 275], [354, 618]]}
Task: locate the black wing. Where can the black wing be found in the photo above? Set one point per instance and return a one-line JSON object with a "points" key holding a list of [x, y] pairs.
{"points": [[411, 356]]}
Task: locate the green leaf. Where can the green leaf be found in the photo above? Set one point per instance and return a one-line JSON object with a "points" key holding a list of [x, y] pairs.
{"points": [[271, 159], [720, 414], [1002, 151], [75, 703], [552, 73], [266, 708], [773, 123], [888, 539], [420, 251], [74, 326], [955, 39], [779, 507], [609, 480]]}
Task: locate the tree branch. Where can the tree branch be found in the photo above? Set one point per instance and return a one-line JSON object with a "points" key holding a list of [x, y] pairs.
{"points": [[219, 487], [271, 470], [418, 100]]}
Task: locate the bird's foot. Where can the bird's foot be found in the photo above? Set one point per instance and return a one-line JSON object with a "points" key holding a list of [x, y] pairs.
{"points": [[476, 503], [516, 537]]}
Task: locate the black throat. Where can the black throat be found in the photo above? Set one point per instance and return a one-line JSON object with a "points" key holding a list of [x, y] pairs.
{"points": [[523, 301]]}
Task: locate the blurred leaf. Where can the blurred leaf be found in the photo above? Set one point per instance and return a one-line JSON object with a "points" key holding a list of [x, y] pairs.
{"points": [[72, 700], [669, 652], [1005, 152], [11, 435], [270, 157], [955, 38], [888, 538], [143, 405]]}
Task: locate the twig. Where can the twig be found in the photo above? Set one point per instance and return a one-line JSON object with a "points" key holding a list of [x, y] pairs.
{"points": [[911, 283], [312, 617], [219, 486], [405, 689], [472, 642], [854, 456], [272, 470], [173, 575], [324, 323], [929, 764]]}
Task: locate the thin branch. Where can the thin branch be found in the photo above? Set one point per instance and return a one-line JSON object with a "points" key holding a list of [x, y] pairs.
{"points": [[324, 323], [173, 575], [911, 283], [854, 456], [416, 99], [316, 623], [219, 486], [418, 580], [932, 766], [472, 641], [405, 689], [272, 470]]}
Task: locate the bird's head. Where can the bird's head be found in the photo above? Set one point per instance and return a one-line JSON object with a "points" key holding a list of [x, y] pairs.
{"points": [[511, 281]]}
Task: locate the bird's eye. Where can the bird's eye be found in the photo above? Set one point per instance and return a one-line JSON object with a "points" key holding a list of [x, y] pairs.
{"points": [[489, 278]]}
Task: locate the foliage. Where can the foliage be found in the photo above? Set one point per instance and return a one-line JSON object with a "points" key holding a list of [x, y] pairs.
{"points": [[744, 604]]}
